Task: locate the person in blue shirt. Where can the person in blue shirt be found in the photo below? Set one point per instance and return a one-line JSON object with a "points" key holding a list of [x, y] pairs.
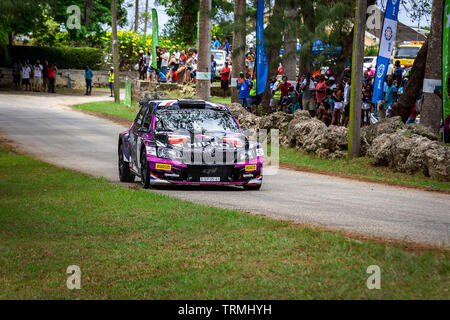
{"points": [[398, 73], [391, 94], [244, 86], [161, 76], [88, 77], [213, 67], [216, 43]]}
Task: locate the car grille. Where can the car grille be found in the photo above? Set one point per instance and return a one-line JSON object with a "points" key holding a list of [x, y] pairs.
{"points": [[194, 172]]}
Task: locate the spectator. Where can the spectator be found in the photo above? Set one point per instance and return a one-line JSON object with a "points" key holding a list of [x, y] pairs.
{"points": [[226, 47], [88, 76], [213, 67], [216, 43], [16, 75], [45, 76], [26, 74], [321, 90], [111, 81], [391, 93], [284, 87], [52, 78], [189, 68], [276, 95], [158, 58], [37, 76], [225, 77], [370, 71], [366, 104], [253, 93], [324, 114], [148, 65], [412, 116], [177, 56], [338, 99], [347, 92], [173, 76], [293, 99], [194, 71], [244, 86], [141, 66], [164, 60], [398, 74], [308, 87], [161, 76]]}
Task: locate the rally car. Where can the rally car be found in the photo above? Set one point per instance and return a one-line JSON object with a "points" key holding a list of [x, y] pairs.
{"points": [[188, 142]]}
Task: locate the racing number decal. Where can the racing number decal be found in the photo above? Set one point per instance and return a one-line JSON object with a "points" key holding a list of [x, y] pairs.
{"points": [[162, 166]]}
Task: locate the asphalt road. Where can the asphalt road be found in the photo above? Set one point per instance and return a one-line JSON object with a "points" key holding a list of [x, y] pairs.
{"points": [[45, 126]]}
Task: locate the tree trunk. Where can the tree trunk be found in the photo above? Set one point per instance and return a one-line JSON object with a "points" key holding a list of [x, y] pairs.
{"points": [[87, 10], [204, 54], [146, 17], [273, 35], [115, 51], [11, 38], [431, 113], [136, 16], [308, 16], [290, 41], [238, 56], [346, 51], [404, 106]]}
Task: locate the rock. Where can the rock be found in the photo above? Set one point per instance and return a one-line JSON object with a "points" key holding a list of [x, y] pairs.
{"points": [[421, 131], [369, 133], [411, 153], [153, 95]]}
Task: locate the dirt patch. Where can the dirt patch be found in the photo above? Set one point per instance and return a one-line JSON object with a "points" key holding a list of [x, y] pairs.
{"points": [[293, 167]]}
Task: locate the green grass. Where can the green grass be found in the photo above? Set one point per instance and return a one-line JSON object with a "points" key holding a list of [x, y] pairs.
{"points": [[110, 108], [359, 168], [136, 244], [221, 100]]}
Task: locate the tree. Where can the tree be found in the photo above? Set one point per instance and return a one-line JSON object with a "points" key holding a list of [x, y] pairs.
{"points": [[290, 40], [239, 34], [136, 15], [115, 51], [204, 54], [431, 113]]}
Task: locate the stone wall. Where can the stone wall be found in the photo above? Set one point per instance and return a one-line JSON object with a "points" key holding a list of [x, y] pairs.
{"points": [[100, 78]]}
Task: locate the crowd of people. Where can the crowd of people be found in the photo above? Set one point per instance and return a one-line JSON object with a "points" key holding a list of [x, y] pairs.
{"points": [[36, 77], [327, 99]]}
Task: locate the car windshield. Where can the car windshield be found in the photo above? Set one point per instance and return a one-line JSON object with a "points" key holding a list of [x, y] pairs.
{"points": [[218, 56], [194, 120], [407, 52]]}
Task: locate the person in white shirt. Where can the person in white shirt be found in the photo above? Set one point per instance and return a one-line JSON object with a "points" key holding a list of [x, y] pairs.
{"points": [[308, 91], [177, 55], [37, 79], [26, 72], [148, 63], [347, 92], [165, 60]]}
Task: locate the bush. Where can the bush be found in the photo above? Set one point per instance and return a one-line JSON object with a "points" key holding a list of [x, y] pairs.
{"points": [[64, 57]]}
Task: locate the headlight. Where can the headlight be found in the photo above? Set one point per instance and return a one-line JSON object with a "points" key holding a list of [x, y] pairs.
{"points": [[246, 155], [170, 154], [151, 151]]}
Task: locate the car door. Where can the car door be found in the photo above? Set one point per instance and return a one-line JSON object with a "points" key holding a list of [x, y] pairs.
{"points": [[134, 136]]}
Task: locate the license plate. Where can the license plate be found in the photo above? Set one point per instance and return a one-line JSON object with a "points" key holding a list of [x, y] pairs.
{"points": [[250, 167], [163, 166], [209, 179]]}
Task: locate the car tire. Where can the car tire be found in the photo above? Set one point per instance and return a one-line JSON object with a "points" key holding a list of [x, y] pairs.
{"points": [[125, 174], [254, 188], [145, 171]]}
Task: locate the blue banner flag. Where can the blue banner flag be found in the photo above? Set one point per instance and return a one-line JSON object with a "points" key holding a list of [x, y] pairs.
{"points": [[262, 62], [387, 41]]}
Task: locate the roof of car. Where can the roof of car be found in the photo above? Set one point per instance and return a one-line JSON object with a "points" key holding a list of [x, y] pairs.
{"points": [[171, 104]]}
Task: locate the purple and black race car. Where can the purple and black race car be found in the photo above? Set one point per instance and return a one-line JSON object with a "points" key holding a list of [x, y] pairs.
{"points": [[190, 142]]}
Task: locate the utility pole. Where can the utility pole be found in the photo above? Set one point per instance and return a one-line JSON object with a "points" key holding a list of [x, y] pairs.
{"points": [[431, 113], [136, 16], [354, 142], [204, 53], [238, 56], [115, 52]]}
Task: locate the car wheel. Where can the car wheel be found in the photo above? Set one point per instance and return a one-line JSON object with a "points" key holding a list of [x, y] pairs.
{"points": [[255, 187], [145, 172], [125, 174]]}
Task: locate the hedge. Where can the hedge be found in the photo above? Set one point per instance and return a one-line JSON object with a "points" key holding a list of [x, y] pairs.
{"points": [[64, 57]]}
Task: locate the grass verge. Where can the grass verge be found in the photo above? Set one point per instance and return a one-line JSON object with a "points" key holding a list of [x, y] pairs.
{"points": [[359, 168], [136, 244]]}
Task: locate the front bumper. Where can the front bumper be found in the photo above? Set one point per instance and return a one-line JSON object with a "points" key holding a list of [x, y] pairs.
{"points": [[165, 172]]}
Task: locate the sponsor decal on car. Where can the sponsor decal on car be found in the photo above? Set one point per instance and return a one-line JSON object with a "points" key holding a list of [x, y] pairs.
{"points": [[250, 167], [163, 166]]}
